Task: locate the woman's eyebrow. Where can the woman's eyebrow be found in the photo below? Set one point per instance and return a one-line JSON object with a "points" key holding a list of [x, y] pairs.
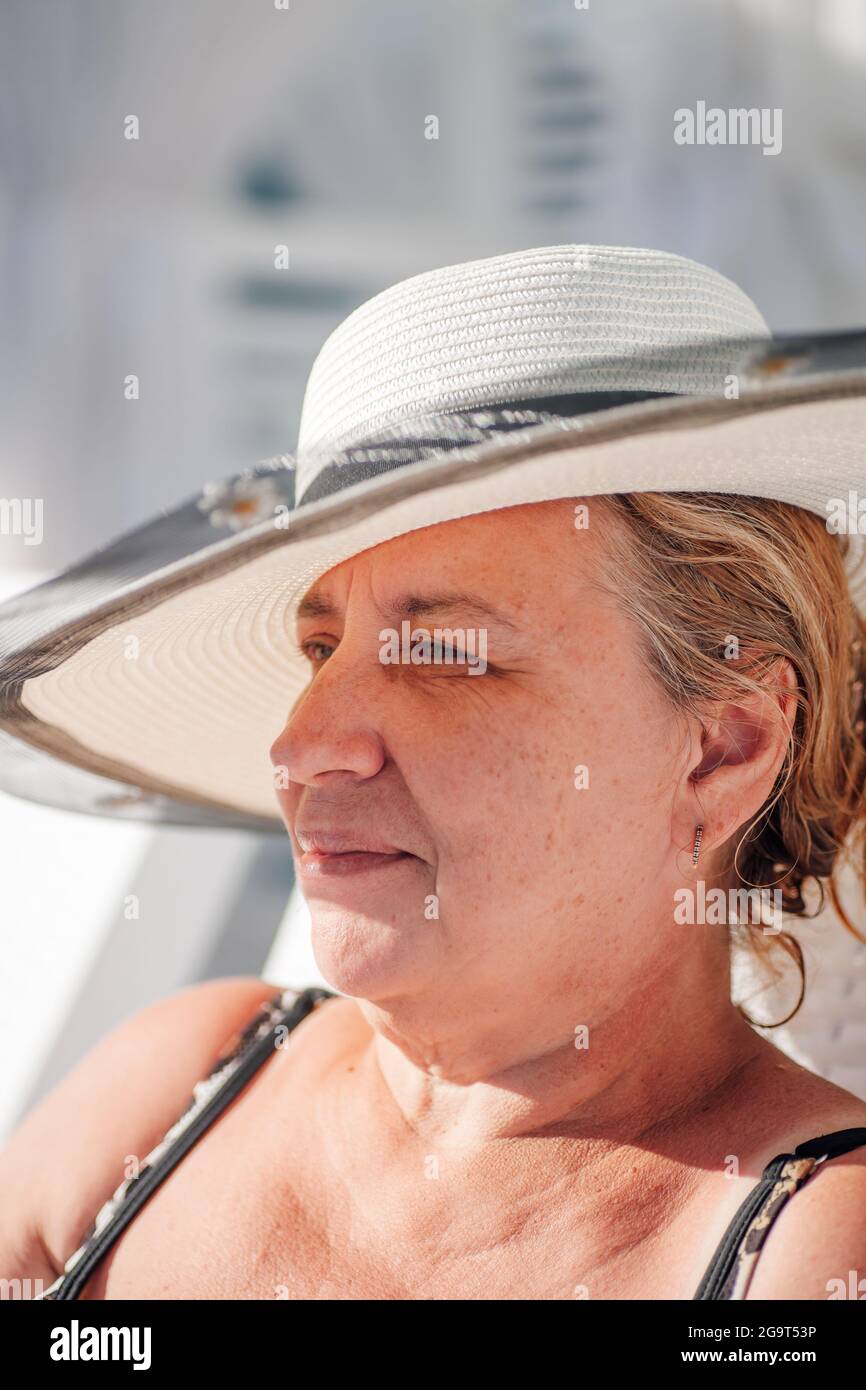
{"points": [[413, 605], [317, 606]]}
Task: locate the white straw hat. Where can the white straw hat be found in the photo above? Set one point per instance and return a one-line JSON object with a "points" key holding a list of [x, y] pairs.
{"points": [[556, 372]]}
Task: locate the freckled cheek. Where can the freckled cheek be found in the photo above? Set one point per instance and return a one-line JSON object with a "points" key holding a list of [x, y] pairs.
{"points": [[470, 796], [572, 787], [520, 794], [486, 789]]}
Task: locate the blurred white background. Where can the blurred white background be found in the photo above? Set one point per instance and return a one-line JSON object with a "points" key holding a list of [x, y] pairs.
{"points": [[307, 127]]}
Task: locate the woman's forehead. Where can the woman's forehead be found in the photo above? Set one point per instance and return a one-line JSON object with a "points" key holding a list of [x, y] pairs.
{"points": [[499, 570], [531, 539]]}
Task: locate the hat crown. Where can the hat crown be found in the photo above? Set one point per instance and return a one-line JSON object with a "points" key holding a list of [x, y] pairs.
{"points": [[522, 325]]}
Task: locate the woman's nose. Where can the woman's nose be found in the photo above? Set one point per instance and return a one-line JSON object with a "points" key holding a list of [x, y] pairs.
{"points": [[332, 728]]}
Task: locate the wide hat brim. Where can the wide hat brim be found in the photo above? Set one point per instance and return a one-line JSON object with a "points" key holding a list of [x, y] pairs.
{"points": [[121, 677]]}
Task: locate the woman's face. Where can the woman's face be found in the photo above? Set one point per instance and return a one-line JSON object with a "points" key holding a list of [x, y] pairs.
{"points": [[520, 872]]}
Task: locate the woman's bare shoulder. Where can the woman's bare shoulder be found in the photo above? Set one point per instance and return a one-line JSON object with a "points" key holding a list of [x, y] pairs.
{"points": [[816, 1246], [818, 1236], [67, 1155]]}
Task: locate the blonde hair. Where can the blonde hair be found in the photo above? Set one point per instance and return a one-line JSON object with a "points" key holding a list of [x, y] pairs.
{"points": [[696, 570]]}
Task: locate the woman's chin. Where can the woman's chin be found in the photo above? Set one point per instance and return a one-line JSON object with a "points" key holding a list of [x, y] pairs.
{"points": [[365, 957]]}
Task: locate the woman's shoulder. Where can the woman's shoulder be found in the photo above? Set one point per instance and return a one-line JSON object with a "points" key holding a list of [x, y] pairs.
{"points": [[70, 1151], [815, 1244]]}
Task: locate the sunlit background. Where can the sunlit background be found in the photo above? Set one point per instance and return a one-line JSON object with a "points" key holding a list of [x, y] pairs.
{"points": [[308, 126]]}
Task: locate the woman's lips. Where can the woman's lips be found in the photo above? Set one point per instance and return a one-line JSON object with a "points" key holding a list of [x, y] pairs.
{"points": [[317, 864], [330, 853]]}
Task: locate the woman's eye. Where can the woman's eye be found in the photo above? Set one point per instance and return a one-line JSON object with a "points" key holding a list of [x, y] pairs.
{"points": [[312, 651], [434, 657], [439, 654]]}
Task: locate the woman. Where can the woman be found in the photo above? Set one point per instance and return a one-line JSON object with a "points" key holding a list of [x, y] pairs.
{"points": [[536, 1084]]}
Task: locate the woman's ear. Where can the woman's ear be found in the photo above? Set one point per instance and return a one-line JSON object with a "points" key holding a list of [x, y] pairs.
{"points": [[737, 755]]}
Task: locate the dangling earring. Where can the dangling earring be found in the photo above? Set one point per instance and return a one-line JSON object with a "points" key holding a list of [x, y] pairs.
{"points": [[699, 835]]}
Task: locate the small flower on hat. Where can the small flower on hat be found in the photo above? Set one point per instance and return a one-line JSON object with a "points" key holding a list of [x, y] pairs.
{"points": [[240, 502]]}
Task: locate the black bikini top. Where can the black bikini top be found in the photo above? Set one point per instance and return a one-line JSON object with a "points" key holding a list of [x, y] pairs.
{"points": [[727, 1276]]}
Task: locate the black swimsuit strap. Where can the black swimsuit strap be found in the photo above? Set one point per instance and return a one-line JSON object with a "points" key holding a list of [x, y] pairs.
{"points": [[841, 1141], [225, 1081], [730, 1270]]}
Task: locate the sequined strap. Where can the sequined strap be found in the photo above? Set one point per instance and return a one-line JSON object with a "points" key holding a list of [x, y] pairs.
{"points": [[792, 1176]]}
